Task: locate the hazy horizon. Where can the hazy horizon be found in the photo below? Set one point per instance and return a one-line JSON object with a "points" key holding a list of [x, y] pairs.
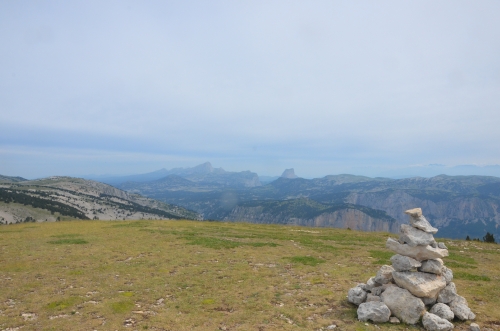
{"points": [[366, 88], [426, 171]]}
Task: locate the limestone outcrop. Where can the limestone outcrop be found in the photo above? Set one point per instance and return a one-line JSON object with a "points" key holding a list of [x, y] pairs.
{"points": [[417, 280]]}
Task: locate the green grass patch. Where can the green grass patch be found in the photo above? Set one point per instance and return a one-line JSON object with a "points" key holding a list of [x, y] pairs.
{"points": [[461, 258], [306, 260], [121, 307], [382, 257], [453, 264], [128, 294], [68, 235], [217, 243], [214, 243], [130, 225], [467, 276], [62, 304], [317, 245], [68, 241], [261, 244], [208, 302]]}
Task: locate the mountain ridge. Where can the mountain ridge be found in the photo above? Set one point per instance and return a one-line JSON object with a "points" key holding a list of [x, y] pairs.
{"points": [[467, 202], [62, 197]]}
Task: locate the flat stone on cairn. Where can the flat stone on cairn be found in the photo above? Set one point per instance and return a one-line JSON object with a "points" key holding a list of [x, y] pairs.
{"points": [[416, 279], [420, 284]]}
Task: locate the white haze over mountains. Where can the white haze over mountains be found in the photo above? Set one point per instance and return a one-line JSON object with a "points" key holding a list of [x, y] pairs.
{"points": [[325, 87]]}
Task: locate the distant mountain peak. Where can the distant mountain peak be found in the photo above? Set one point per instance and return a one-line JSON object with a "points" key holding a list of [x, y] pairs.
{"points": [[289, 173], [204, 168]]}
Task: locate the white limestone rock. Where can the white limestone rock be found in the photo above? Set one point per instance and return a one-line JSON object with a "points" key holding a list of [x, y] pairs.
{"points": [[404, 263], [370, 297], [363, 286], [394, 320], [447, 273], [429, 301], [419, 253], [371, 283], [377, 312], [378, 290], [434, 266], [356, 295], [403, 304], [420, 284], [415, 237], [415, 212], [460, 308], [442, 246], [443, 311], [384, 274], [417, 220], [433, 322], [474, 327], [448, 294]]}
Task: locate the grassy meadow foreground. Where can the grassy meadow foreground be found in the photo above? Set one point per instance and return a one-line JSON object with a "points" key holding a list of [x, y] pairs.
{"points": [[187, 275]]}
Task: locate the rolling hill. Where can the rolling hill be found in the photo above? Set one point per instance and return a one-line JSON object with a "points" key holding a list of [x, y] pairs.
{"points": [[56, 198]]}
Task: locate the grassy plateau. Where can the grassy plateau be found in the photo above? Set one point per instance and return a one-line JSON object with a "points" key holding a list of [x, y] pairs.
{"points": [[188, 275]]}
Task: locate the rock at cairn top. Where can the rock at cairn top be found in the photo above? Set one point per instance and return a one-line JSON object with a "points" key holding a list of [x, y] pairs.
{"points": [[417, 220], [415, 212]]}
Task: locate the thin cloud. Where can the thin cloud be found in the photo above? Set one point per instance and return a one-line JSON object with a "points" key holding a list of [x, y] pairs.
{"points": [[346, 85]]}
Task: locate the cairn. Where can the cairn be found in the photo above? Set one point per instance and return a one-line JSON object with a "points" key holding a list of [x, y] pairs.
{"points": [[417, 286]]}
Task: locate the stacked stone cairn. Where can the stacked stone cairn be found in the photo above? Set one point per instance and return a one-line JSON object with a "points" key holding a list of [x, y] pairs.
{"points": [[417, 286]]}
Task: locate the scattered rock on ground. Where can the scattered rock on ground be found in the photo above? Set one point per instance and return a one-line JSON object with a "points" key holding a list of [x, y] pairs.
{"points": [[376, 312], [443, 311], [433, 322], [356, 295], [461, 309], [394, 320], [474, 327], [29, 316]]}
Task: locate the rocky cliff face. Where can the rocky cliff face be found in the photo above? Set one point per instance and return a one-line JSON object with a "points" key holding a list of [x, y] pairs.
{"points": [[344, 218], [440, 213], [289, 173]]}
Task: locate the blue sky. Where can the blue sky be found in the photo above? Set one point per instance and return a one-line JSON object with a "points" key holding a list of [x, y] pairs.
{"points": [[326, 87]]}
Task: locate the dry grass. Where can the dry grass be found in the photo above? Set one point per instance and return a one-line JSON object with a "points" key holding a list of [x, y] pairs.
{"points": [[183, 275]]}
